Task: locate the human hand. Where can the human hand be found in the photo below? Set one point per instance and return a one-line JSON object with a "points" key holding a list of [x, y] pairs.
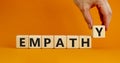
{"points": [[102, 6]]}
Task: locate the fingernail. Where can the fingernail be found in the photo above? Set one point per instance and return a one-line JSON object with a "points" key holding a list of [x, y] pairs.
{"points": [[89, 25], [106, 28]]}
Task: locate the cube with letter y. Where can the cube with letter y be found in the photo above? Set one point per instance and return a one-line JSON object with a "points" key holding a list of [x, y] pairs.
{"points": [[98, 31]]}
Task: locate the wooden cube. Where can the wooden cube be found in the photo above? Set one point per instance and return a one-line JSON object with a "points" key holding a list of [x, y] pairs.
{"points": [[60, 41], [34, 41], [85, 41], [99, 31], [72, 42], [22, 41], [47, 41]]}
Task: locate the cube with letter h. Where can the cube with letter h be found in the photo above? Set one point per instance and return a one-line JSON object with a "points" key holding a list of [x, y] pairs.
{"points": [[99, 31], [85, 42]]}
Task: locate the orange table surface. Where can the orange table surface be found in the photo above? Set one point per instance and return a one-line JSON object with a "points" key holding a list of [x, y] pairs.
{"points": [[55, 17]]}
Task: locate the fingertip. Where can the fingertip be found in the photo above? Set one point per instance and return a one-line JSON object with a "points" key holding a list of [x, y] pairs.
{"points": [[106, 27], [90, 26]]}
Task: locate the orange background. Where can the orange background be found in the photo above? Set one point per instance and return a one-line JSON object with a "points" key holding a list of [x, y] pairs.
{"points": [[55, 17]]}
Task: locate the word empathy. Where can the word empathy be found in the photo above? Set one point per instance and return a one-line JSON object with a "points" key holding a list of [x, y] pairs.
{"points": [[59, 41]]}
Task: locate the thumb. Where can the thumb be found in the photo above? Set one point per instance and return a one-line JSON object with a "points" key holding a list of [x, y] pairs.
{"points": [[105, 13]]}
